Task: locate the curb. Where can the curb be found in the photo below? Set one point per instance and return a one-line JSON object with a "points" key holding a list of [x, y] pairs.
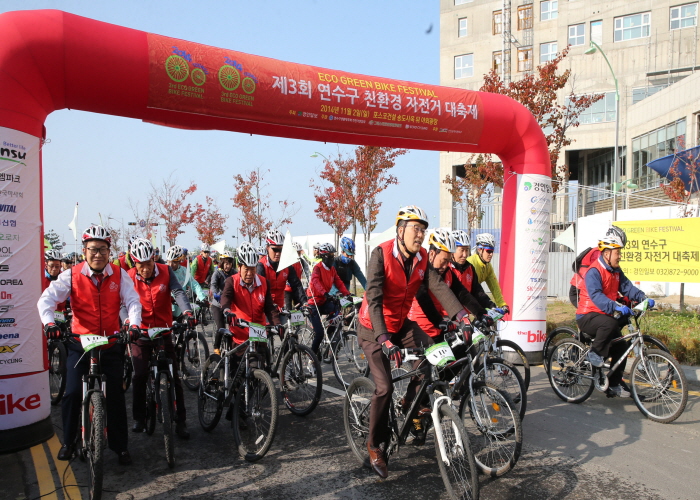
{"points": [[692, 374]]}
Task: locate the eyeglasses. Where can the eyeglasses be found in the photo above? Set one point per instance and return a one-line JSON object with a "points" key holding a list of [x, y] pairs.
{"points": [[488, 250], [207, 251], [101, 251], [276, 249], [417, 228]]}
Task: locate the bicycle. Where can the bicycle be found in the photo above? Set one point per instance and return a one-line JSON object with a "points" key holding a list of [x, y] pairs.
{"points": [[657, 383], [454, 455], [57, 356], [192, 350], [495, 346], [255, 407], [296, 366]]}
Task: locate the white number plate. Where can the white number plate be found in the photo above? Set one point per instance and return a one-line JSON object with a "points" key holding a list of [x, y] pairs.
{"points": [[357, 300], [89, 342], [59, 316], [439, 354], [257, 333], [157, 332], [494, 314], [296, 318], [344, 302]]}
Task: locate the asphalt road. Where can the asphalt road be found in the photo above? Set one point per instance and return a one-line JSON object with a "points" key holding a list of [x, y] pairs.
{"points": [[601, 449]]}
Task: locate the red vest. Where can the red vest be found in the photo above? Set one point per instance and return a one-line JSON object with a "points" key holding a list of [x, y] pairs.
{"points": [[200, 276], [124, 263], [95, 312], [321, 282], [298, 270], [611, 285], [276, 281], [156, 310], [247, 305], [416, 313], [466, 278], [579, 278], [397, 293]]}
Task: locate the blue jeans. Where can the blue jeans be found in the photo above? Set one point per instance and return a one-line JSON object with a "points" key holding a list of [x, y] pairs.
{"points": [[328, 307]]}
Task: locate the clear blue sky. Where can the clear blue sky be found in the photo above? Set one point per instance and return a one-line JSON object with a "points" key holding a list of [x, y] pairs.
{"points": [[380, 38]]}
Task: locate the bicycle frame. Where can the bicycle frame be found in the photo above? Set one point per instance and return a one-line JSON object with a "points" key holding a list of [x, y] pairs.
{"points": [[161, 363]]}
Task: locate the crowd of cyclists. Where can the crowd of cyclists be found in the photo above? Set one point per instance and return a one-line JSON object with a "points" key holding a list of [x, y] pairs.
{"points": [[412, 297]]}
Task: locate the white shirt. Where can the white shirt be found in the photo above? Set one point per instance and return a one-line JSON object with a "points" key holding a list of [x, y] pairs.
{"points": [[59, 291]]}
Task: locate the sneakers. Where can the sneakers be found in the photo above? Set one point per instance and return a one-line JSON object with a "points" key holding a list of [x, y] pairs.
{"points": [[619, 391], [595, 359]]}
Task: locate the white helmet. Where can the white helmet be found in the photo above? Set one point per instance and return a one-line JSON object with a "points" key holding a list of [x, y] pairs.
{"points": [[274, 237], [52, 254], [461, 238], [442, 239], [261, 250], [297, 246], [247, 255], [412, 212], [141, 250], [485, 240], [174, 253], [326, 248], [610, 241], [133, 238], [614, 230], [97, 233], [204, 247]]}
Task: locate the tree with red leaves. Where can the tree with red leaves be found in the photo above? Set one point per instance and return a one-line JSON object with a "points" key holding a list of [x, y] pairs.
{"points": [[538, 92], [331, 199], [170, 205], [210, 223]]}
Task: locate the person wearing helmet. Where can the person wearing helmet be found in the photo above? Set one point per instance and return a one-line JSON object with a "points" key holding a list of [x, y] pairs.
{"points": [[67, 261], [301, 267], [52, 268], [464, 271], [246, 296], [323, 278], [201, 267], [345, 264], [481, 260], [125, 261], [157, 258], [174, 257], [226, 270], [598, 304], [303, 260], [89, 284], [268, 267], [396, 270], [155, 284]]}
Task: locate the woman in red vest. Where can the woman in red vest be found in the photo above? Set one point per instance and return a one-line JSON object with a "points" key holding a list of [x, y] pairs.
{"points": [[397, 268], [155, 284]]}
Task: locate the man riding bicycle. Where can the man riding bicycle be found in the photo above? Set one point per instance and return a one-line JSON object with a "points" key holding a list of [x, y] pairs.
{"points": [[96, 290], [301, 267], [202, 267], [346, 266], [125, 261], [174, 258], [481, 260], [598, 304], [268, 267], [218, 279]]}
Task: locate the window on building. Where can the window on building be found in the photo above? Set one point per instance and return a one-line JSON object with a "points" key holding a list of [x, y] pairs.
{"points": [[597, 32], [460, 2], [632, 27], [525, 17], [464, 66], [549, 10], [497, 22], [600, 111], [684, 16], [462, 31], [655, 144], [600, 169], [497, 61], [548, 51], [525, 59], [577, 34], [642, 93]]}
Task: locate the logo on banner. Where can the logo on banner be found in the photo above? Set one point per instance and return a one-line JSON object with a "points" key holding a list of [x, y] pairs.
{"points": [[7, 349], [7, 322], [533, 337], [5, 296], [4, 309], [10, 152], [9, 403], [528, 186], [5, 251], [8, 208], [7, 336], [13, 282], [9, 237], [4, 268]]}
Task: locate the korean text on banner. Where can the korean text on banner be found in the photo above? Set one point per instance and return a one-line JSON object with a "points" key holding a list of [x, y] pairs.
{"points": [[666, 250]]}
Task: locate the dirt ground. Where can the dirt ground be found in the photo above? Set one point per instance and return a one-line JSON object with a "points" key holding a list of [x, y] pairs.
{"points": [[676, 299]]}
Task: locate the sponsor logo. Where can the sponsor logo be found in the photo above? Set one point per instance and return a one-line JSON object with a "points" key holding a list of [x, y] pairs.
{"points": [[9, 237], [14, 282], [421, 273], [9, 403], [5, 336], [6, 349], [535, 260], [8, 208], [528, 186], [5, 177], [5, 296], [4, 268], [539, 241], [162, 288], [530, 221], [539, 280], [7, 322], [12, 152], [533, 337], [5, 251], [113, 287], [4, 309], [11, 361], [260, 297]]}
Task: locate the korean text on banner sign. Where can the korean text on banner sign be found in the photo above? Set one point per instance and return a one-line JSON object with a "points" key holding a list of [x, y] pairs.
{"points": [[666, 250], [195, 78]]}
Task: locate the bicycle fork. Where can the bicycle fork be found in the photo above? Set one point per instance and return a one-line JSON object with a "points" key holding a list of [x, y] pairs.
{"points": [[438, 429]]}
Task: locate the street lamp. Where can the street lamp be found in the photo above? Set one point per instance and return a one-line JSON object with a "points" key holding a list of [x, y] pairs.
{"points": [[616, 169], [317, 154], [628, 184]]}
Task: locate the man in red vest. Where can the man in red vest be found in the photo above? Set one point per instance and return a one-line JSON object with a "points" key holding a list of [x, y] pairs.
{"points": [[396, 270], [201, 266], [96, 289], [277, 280], [155, 284], [125, 261], [598, 303]]}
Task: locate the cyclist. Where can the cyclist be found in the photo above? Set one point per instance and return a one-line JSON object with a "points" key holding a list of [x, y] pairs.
{"points": [[67, 261], [598, 304], [155, 284], [185, 257], [345, 264], [96, 289], [426, 310], [323, 278], [277, 280], [301, 267], [396, 270], [202, 267], [464, 270], [226, 270], [51, 271], [174, 259], [303, 258], [481, 260], [125, 261], [157, 258]]}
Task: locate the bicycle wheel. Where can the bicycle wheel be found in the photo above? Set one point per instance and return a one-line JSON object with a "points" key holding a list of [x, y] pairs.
{"points": [[344, 367], [165, 415], [301, 380], [520, 359], [128, 370], [57, 371], [506, 378], [559, 333], [210, 397], [570, 375], [400, 386], [358, 355], [95, 443], [255, 419], [151, 408], [659, 387], [458, 470], [356, 408], [305, 336], [195, 352], [494, 429]]}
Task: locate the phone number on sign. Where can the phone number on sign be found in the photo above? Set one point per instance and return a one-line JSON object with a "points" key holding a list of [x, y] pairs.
{"points": [[664, 272]]}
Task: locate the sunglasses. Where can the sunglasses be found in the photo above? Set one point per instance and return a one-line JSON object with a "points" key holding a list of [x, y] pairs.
{"points": [[276, 249], [488, 250]]}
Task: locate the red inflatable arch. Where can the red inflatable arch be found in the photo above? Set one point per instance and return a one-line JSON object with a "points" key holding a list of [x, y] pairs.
{"points": [[51, 60]]}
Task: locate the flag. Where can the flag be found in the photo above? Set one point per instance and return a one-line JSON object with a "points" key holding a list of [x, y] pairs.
{"points": [[73, 224], [219, 246], [289, 255]]}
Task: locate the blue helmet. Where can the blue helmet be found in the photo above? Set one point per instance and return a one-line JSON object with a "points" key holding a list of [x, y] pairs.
{"points": [[347, 245]]}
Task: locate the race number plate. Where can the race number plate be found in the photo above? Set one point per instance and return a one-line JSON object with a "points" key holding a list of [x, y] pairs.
{"points": [[494, 314], [157, 332], [59, 316], [296, 318], [89, 342], [357, 300], [439, 354], [344, 302], [257, 333]]}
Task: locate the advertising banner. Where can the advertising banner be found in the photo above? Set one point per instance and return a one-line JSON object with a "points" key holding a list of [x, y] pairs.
{"points": [[666, 250], [195, 78], [21, 338], [532, 239], [24, 400]]}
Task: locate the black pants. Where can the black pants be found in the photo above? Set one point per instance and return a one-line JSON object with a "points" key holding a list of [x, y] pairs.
{"points": [[141, 355], [604, 329], [380, 366], [218, 314], [328, 307], [112, 361]]}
